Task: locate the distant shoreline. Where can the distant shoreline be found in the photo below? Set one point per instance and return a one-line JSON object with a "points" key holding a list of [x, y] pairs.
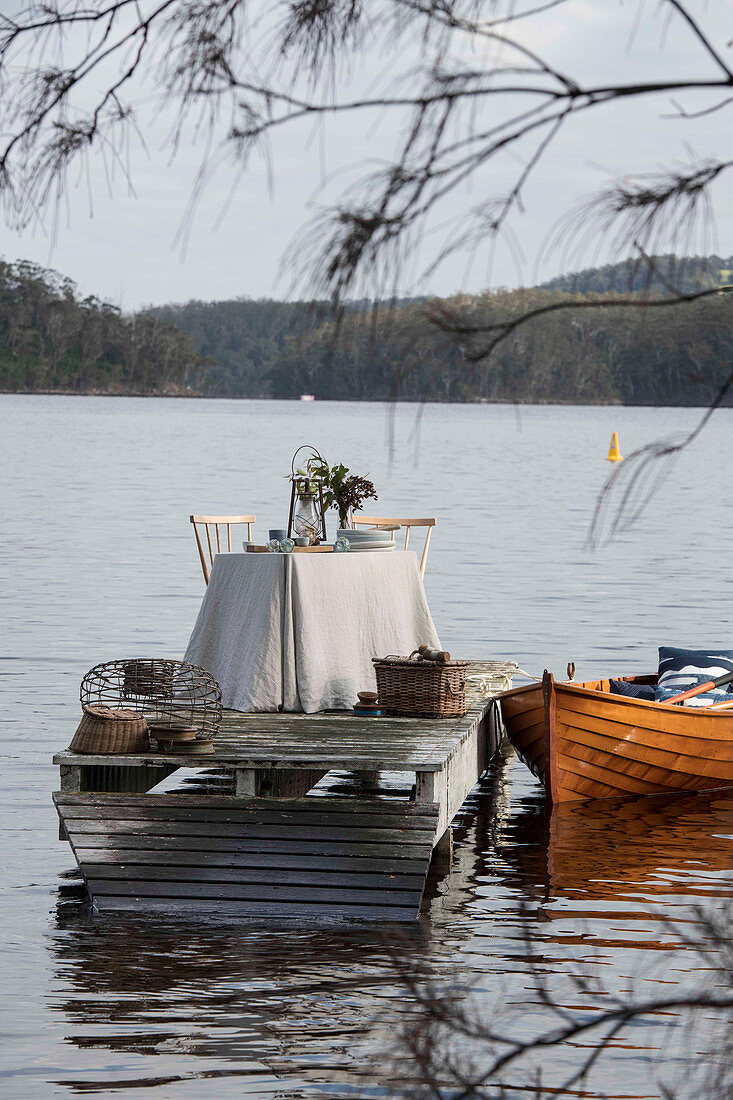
{"points": [[317, 400], [540, 402], [54, 343]]}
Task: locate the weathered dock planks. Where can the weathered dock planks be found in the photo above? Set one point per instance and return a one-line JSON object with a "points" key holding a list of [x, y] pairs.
{"points": [[270, 849], [360, 860]]}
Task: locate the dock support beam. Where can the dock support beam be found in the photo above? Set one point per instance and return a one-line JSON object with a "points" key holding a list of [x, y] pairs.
{"points": [[425, 787], [70, 779], [448, 785], [442, 859], [245, 783], [275, 782]]}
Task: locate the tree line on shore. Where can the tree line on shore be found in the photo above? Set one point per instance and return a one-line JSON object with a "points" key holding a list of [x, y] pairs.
{"points": [[53, 340]]}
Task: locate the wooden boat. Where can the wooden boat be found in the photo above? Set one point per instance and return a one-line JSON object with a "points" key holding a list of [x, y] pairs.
{"points": [[583, 742]]}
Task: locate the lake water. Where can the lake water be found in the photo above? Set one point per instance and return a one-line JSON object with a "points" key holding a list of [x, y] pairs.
{"points": [[98, 561]]}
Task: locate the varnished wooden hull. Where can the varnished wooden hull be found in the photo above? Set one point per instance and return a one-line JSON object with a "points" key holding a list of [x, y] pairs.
{"points": [[525, 717], [583, 742]]}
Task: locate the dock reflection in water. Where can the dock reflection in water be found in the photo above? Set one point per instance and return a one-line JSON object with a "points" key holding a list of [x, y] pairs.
{"points": [[289, 1012], [249, 1011]]}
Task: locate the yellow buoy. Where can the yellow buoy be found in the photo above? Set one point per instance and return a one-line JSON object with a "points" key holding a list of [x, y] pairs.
{"points": [[614, 454]]}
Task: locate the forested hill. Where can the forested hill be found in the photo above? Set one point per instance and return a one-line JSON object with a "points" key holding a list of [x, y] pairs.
{"points": [[621, 355], [52, 340], [667, 273], [248, 340]]}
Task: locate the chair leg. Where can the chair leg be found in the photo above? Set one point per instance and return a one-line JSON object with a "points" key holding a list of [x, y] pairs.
{"points": [[211, 550], [424, 559], [202, 555]]}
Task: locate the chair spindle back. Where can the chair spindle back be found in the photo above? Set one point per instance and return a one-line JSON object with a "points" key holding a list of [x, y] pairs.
{"points": [[216, 522], [383, 521]]}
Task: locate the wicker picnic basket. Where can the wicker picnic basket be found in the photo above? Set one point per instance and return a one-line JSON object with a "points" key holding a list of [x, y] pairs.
{"points": [[409, 687], [108, 730]]}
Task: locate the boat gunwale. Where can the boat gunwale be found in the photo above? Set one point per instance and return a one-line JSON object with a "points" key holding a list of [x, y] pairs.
{"points": [[628, 700], [579, 688]]}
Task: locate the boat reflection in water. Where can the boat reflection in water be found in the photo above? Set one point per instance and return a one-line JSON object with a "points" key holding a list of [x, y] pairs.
{"points": [[616, 892], [649, 859], [658, 846]]}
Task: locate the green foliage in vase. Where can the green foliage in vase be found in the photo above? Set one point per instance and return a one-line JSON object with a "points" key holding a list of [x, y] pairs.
{"points": [[354, 491], [342, 490]]}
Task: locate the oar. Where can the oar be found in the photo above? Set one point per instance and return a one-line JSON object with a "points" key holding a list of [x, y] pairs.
{"points": [[725, 705], [701, 688]]}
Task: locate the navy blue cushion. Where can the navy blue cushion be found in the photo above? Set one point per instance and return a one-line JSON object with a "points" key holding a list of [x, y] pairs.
{"points": [[634, 691], [681, 669]]}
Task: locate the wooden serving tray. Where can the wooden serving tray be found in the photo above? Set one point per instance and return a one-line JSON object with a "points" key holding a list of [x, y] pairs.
{"points": [[295, 550]]}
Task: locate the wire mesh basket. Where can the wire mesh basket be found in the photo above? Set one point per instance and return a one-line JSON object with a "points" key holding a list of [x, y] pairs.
{"points": [[168, 694]]}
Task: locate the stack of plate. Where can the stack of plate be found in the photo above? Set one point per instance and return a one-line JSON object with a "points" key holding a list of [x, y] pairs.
{"points": [[366, 540]]}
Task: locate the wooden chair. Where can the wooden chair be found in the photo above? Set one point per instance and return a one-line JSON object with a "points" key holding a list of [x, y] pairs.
{"points": [[382, 521], [216, 522]]}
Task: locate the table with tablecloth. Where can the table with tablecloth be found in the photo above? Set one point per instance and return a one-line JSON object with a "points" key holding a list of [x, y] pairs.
{"points": [[297, 632]]}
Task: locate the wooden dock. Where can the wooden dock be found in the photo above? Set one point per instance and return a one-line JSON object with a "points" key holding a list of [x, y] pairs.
{"points": [[271, 848]]}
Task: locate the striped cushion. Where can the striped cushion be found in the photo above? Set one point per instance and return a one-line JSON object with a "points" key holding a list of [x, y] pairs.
{"points": [[719, 695], [681, 669]]}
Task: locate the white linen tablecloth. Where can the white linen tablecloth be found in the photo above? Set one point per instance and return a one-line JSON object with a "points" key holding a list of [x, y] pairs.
{"points": [[297, 631]]}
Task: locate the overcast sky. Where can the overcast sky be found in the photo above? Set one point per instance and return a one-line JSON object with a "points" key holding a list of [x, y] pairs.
{"points": [[126, 247]]}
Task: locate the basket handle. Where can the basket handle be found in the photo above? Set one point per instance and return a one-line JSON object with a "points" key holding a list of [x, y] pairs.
{"points": [[436, 656], [439, 656]]}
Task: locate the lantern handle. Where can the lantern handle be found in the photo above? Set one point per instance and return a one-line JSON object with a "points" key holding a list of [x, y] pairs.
{"points": [[314, 452]]}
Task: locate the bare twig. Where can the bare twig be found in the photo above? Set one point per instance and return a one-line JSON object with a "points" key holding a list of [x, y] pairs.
{"points": [[447, 1020], [495, 333]]}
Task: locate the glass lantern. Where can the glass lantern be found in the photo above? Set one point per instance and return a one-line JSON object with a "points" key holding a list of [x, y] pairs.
{"points": [[306, 515], [307, 510]]}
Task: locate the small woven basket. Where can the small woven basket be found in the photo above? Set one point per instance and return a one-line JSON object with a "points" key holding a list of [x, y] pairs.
{"points": [[109, 730], [411, 688]]}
